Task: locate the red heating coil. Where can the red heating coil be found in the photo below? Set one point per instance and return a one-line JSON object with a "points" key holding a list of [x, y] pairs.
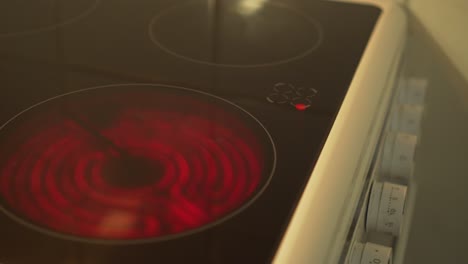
{"points": [[201, 159]]}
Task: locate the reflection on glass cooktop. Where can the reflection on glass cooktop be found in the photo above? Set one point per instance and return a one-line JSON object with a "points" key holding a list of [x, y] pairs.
{"points": [[167, 131], [235, 33]]}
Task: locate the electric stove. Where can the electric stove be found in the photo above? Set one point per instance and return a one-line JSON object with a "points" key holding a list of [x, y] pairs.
{"points": [[201, 131]]}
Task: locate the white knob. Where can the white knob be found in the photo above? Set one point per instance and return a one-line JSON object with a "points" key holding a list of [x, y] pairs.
{"points": [[398, 155], [370, 253], [407, 119], [386, 208], [413, 91]]}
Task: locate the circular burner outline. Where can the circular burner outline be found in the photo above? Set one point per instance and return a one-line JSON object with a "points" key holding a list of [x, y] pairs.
{"points": [[55, 26], [220, 220], [313, 22]]}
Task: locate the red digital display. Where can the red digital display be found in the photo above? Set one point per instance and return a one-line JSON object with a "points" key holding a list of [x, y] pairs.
{"points": [[130, 164]]}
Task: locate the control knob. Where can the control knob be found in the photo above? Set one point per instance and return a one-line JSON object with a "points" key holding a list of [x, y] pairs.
{"points": [[398, 155], [406, 118], [413, 91], [386, 208], [370, 253]]}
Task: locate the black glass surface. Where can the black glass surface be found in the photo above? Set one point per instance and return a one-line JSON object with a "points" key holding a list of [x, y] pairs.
{"points": [[286, 63]]}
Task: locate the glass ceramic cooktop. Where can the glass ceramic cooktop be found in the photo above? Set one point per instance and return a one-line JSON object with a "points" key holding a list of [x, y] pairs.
{"points": [[165, 131]]}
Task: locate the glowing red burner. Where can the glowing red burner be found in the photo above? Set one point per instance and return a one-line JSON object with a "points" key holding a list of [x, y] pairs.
{"points": [[139, 163]]}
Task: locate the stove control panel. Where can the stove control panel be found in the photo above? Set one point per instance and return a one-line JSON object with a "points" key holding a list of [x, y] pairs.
{"points": [[403, 129], [289, 94], [383, 217]]}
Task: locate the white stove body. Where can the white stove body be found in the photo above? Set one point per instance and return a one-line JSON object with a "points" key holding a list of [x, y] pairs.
{"points": [[318, 230]]}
